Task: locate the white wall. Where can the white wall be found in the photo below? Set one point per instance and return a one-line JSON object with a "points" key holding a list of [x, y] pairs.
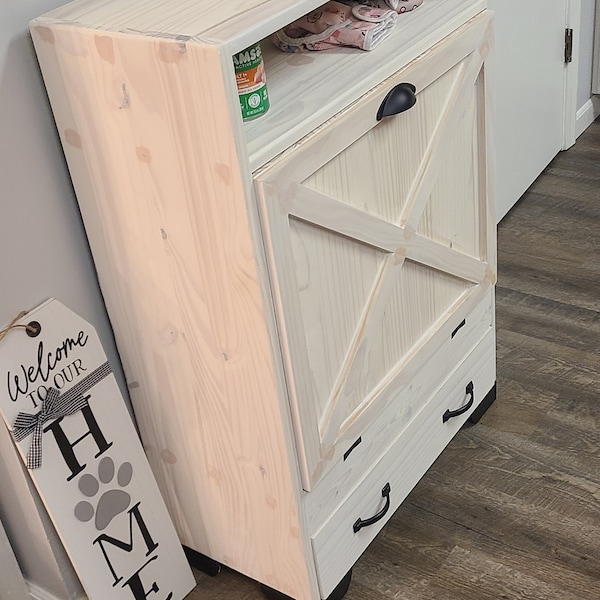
{"points": [[43, 253]]}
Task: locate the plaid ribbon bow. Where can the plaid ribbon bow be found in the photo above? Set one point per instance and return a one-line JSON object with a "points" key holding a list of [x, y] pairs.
{"points": [[54, 406]]}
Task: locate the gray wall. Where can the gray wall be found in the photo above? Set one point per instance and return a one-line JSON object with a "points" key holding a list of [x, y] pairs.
{"points": [[43, 253]]}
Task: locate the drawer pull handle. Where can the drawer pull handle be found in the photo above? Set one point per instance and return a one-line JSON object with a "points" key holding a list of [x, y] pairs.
{"points": [[356, 443], [400, 98], [461, 324], [449, 414], [360, 523]]}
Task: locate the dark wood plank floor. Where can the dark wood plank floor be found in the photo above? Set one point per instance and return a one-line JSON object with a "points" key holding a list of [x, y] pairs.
{"points": [[511, 509]]}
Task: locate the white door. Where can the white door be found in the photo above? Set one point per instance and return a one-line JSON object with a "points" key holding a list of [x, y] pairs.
{"points": [[528, 92]]}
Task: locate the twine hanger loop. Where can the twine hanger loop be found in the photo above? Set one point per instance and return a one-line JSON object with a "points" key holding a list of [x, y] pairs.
{"points": [[32, 328]]}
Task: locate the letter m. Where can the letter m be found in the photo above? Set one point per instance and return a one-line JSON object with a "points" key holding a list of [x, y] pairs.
{"points": [[126, 546]]}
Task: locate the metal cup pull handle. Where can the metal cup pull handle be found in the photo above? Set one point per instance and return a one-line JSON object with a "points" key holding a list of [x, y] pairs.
{"points": [[449, 414], [399, 99], [360, 523]]}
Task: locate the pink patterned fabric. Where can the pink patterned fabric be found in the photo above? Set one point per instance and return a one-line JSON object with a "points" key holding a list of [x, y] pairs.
{"points": [[361, 24], [337, 24]]}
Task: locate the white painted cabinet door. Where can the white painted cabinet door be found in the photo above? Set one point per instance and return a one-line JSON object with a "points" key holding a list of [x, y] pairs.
{"points": [[377, 233], [528, 92]]}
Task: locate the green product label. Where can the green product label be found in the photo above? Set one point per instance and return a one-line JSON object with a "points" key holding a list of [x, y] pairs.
{"points": [[255, 102]]}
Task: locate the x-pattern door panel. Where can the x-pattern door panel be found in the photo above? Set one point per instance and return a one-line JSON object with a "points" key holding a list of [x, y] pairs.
{"points": [[377, 233]]}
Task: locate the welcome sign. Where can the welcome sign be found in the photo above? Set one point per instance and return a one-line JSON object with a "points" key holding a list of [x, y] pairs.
{"points": [[61, 402]]}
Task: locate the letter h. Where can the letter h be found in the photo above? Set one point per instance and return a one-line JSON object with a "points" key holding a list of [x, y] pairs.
{"points": [[66, 447]]}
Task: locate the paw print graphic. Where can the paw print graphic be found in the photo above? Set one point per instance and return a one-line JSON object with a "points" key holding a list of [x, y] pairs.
{"points": [[112, 501]]}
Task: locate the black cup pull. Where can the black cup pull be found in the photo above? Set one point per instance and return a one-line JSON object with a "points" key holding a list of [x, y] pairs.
{"points": [[360, 523], [400, 98], [449, 414]]}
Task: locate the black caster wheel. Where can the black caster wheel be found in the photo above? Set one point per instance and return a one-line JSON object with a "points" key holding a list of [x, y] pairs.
{"points": [[338, 593], [483, 406], [202, 563]]}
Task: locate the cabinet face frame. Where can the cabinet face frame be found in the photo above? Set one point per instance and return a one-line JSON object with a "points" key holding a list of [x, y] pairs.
{"points": [[323, 434]]}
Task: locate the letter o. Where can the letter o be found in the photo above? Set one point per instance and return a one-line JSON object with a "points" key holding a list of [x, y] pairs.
{"points": [[59, 377]]}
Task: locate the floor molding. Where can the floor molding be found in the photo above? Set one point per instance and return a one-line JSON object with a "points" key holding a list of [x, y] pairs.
{"points": [[39, 593], [586, 115]]}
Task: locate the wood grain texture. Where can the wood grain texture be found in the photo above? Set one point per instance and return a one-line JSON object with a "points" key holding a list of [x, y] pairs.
{"points": [[157, 199], [240, 23], [301, 103], [402, 410], [147, 108], [511, 509], [336, 544], [404, 194]]}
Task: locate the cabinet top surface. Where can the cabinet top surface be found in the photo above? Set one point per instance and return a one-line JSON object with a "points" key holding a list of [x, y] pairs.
{"points": [[203, 19], [299, 99], [233, 23]]}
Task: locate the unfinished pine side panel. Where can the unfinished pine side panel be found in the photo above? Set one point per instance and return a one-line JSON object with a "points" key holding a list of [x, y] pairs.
{"points": [[155, 169]]}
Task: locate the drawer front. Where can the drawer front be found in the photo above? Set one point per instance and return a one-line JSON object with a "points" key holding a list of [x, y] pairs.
{"points": [[377, 234], [337, 546], [415, 389]]}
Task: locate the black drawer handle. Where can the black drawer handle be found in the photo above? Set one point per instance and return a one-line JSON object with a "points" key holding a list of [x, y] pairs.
{"points": [[400, 98], [449, 414], [360, 523], [458, 328]]}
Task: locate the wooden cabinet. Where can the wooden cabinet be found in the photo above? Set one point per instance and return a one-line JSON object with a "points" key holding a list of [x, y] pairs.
{"points": [[303, 303]]}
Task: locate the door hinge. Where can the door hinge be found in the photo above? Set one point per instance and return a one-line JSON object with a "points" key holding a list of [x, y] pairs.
{"points": [[568, 45]]}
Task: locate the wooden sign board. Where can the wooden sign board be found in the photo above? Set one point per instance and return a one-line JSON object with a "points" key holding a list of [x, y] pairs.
{"points": [[62, 404]]}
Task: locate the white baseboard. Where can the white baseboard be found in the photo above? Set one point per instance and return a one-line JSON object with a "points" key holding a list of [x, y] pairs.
{"points": [[586, 115], [38, 593]]}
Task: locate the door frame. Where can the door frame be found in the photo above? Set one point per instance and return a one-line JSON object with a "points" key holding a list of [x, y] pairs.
{"points": [[577, 119], [572, 21], [596, 63]]}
